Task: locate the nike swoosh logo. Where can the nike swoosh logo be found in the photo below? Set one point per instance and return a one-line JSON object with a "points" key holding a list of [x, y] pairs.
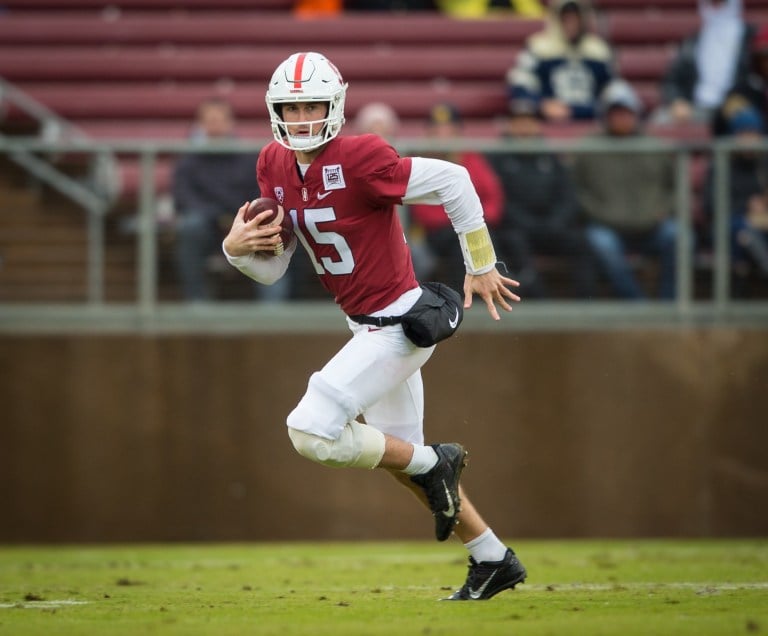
{"points": [[455, 321], [451, 508], [322, 195], [476, 594]]}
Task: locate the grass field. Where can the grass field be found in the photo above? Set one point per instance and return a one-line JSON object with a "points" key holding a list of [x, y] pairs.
{"points": [[574, 588]]}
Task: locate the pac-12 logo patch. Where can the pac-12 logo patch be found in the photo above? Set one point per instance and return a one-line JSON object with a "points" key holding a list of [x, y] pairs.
{"points": [[279, 195], [333, 177]]}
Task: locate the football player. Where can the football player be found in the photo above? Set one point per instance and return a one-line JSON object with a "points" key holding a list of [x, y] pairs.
{"points": [[341, 193]]}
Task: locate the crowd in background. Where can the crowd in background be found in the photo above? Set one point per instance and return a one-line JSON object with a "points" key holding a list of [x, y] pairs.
{"points": [[454, 8], [597, 214]]}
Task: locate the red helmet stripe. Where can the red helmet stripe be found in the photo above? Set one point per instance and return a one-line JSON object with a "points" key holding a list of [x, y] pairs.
{"points": [[297, 73]]}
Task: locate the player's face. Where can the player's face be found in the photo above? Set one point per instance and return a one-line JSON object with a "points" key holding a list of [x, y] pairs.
{"points": [[445, 130], [299, 115], [216, 120], [572, 24], [621, 121], [524, 126]]}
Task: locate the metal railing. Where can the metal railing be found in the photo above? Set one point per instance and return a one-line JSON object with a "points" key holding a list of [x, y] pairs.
{"points": [[148, 313], [95, 193]]}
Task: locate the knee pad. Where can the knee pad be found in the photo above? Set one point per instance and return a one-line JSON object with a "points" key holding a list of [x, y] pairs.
{"points": [[359, 446]]}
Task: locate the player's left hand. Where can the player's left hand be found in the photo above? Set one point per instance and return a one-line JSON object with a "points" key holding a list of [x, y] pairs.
{"points": [[493, 288]]}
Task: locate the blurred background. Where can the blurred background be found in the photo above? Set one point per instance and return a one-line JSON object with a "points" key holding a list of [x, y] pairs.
{"points": [[619, 149]]}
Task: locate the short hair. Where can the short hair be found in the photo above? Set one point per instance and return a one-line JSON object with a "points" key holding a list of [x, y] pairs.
{"points": [[216, 102]]}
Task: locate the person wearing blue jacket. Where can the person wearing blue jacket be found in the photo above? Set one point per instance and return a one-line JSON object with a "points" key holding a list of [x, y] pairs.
{"points": [[565, 66]]}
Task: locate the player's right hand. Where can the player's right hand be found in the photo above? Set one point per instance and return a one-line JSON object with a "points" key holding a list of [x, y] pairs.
{"points": [[246, 237]]}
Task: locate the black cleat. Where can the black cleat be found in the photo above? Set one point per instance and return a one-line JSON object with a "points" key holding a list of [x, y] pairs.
{"points": [[488, 578], [441, 485]]}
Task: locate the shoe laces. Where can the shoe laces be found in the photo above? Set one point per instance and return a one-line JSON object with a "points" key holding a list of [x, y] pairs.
{"points": [[428, 485], [434, 499], [476, 574]]}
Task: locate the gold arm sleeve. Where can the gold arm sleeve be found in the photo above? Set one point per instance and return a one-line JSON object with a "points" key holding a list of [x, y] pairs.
{"points": [[476, 246]]}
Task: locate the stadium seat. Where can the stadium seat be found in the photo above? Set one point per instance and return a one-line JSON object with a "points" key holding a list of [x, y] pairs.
{"points": [[141, 99], [661, 5], [658, 28], [137, 69], [209, 63], [152, 5], [281, 31], [693, 131], [643, 62]]}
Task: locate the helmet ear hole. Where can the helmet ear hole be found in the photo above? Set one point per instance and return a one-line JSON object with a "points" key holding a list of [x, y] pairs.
{"points": [[276, 115]]}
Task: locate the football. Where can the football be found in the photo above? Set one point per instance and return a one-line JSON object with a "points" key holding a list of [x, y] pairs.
{"points": [[286, 223]]}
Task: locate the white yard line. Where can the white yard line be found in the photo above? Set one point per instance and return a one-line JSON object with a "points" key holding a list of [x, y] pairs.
{"points": [[674, 585], [41, 604]]}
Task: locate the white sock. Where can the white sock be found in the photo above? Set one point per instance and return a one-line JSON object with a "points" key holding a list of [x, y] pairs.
{"points": [[423, 460], [486, 547]]}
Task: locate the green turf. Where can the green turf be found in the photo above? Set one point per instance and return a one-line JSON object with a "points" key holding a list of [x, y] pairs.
{"points": [[574, 588]]}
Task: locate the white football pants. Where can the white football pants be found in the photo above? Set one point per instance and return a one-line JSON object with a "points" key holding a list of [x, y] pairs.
{"points": [[376, 374]]}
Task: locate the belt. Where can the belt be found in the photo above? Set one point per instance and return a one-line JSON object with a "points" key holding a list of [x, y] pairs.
{"points": [[378, 321]]}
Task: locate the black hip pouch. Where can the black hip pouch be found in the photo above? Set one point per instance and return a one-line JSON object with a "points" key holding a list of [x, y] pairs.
{"points": [[436, 316]]}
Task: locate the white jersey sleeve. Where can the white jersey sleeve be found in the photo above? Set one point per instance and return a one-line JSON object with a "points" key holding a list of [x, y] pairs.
{"points": [[438, 182], [266, 271], [434, 181]]}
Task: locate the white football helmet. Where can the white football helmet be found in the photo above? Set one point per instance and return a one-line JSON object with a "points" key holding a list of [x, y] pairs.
{"points": [[307, 77]]}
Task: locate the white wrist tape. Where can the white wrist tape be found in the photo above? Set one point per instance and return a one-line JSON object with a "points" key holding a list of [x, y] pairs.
{"points": [[476, 246]]}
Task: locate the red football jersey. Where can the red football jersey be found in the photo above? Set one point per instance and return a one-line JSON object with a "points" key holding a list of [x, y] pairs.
{"points": [[344, 215]]}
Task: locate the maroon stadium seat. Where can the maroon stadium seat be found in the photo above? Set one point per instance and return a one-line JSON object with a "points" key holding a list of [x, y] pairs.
{"points": [[154, 5], [196, 63], [643, 62], [668, 27], [662, 5], [138, 100], [140, 68], [281, 32]]}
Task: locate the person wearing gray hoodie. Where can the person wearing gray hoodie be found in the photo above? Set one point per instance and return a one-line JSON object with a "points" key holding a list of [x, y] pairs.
{"points": [[627, 198]]}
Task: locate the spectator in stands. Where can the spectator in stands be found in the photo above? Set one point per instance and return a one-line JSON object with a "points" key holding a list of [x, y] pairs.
{"points": [[627, 198], [564, 67], [381, 119], [482, 8], [317, 8], [747, 196], [389, 5], [751, 90], [707, 64], [541, 212], [206, 188], [378, 118], [445, 124]]}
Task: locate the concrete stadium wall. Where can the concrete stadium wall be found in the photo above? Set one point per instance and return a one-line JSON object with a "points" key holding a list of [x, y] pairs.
{"points": [[610, 434]]}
